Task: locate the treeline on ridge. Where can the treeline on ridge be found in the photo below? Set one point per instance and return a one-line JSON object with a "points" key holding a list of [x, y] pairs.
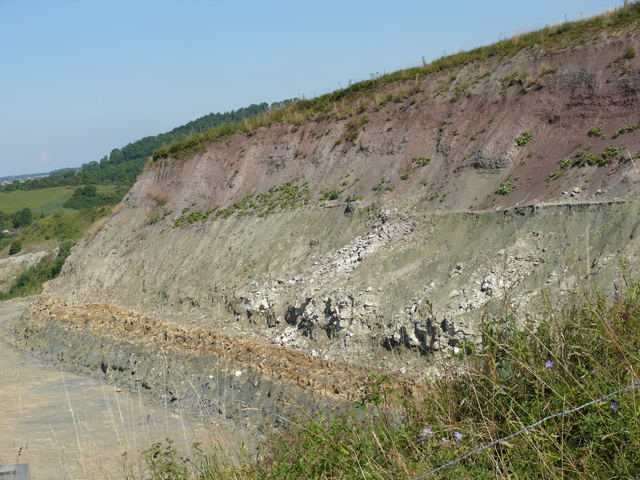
{"points": [[123, 165]]}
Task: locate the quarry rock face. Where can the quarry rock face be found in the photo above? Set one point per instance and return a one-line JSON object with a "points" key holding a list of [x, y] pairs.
{"points": [[452, 207]]}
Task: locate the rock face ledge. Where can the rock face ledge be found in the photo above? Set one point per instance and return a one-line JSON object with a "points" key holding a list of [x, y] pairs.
{"points": [[313, 257]]}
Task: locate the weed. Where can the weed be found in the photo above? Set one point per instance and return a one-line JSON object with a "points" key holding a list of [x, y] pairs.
{"points": [[353, 128], [505, 188], [330, 195], [523, 139], [474, 137], [627, 129], [405, 176], [421, 161], [630, 52], [595, 132]]}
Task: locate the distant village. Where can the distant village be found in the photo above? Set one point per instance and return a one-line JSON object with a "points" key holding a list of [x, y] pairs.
{"points": [[23, 179]]}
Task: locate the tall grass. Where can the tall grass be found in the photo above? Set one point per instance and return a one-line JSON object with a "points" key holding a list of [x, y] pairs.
{"points": [[517, 377], [335, 104]]}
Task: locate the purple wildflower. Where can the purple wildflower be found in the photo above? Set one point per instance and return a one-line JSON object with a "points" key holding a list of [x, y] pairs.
{"points": [[425, 433], [444, 441], [614, 405], [549, 364], [457, 436]]}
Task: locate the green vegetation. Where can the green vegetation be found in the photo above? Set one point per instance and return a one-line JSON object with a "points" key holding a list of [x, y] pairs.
{"points": [[523, 139], [88, 197], [505, 188], [15, 247], [353, 198], [595, 132], [353, 128], [421, 161], [405, 176], [630, 52], [330, 195], [474, 137], [288, 196], [30, 280], [583, 158], [627, 129], [63, 226], [339, 102], [47, 201]]}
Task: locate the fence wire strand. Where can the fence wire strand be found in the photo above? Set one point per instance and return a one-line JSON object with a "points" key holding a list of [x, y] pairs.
{"points": [[528, 427]]}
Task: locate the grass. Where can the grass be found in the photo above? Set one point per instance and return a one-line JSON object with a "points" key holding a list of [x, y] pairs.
{"points": [[63, 226], [554, 361], [46, 200], [375, 91]]}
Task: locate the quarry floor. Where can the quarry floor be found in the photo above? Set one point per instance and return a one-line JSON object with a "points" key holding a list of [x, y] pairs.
{"points": [[67, 426]]}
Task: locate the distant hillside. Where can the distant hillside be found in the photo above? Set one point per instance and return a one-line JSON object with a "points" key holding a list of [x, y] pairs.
{"points": [[124, 164], [130, 159]]}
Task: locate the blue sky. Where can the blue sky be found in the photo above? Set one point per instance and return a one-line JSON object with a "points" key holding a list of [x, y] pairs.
{"points": [[79, 78]]}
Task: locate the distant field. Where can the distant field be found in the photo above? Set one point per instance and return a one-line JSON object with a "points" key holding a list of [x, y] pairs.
{"points": [[47, 200]]}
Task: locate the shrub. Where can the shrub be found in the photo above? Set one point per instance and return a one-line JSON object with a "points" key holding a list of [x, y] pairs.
{"points": [[15, 247], [523, 139], [505, 189], [421, 161], [595, 132], [630, 52]]}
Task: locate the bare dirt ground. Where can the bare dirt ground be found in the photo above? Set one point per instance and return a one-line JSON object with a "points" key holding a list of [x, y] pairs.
{"points": [[67, 426]]}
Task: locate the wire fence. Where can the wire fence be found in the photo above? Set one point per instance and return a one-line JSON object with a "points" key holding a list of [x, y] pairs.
{"points": [[528, 427]]}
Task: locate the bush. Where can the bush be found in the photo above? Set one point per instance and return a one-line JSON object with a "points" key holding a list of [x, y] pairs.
{"points": [[630, 52], [523, 139], [15, 247], [30, 281]]}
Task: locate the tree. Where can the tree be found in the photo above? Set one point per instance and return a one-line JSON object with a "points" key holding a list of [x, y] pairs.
{"points": [[115, 156], [15, 247], [22, 218]]}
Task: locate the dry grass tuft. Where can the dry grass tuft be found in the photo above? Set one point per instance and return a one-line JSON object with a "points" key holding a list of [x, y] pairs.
{"points": [[158, 195], [97, 226]]}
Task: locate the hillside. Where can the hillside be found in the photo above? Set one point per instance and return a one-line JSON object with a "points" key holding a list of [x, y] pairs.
{"points": [[371, 229]]}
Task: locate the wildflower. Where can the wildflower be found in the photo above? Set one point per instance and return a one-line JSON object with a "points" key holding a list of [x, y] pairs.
{"points": [[549, 364], [457, 436], [425, 433], [614, 405], [444, 441]]}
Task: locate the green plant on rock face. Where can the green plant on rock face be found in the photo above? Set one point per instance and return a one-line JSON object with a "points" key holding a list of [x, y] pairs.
{"points": [[354, 126], [330, 195], [629, 52], [627, 129], [505, 189], [523, 139], [421, 161], [595, 132], [353, 198]]}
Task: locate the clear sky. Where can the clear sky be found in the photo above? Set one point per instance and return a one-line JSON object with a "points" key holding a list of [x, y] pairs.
{"points": [[79, 78]]}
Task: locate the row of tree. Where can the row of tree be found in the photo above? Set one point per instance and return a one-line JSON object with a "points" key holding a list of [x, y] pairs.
{"points": [[123, 165]]}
